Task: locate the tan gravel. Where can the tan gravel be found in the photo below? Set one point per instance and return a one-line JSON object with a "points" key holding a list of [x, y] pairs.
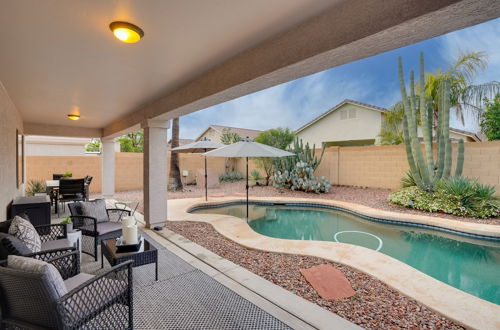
{"points": [[376, 198], [374, 306]]}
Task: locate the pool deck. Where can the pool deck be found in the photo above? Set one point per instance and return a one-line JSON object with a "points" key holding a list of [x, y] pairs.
{"points": [[459, 306]]}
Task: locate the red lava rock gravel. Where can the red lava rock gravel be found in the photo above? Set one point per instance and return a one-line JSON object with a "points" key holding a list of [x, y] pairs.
{"points": [[374, 306]]}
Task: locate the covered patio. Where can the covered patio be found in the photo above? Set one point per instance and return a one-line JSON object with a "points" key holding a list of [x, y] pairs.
{"points": [[61, 58]]}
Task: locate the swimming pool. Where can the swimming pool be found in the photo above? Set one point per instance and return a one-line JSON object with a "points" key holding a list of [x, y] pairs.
{"points": [[467, 263]]}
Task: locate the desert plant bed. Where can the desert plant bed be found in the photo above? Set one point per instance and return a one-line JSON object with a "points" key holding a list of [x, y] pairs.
{"points": [[372, 197], [374, 306]]}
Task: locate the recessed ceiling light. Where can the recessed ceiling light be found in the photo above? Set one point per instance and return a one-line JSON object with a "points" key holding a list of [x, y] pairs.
{"points": [[73, 116], [126, 32]]}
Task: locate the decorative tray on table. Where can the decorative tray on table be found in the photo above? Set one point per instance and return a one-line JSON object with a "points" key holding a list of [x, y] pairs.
{"points": [[121, 246]]}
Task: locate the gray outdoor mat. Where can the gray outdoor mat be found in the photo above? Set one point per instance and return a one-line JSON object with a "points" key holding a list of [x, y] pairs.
{"points": [[186, 298]]}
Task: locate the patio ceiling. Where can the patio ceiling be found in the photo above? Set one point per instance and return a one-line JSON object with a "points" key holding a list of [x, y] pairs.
{"points": [[59, 56]]}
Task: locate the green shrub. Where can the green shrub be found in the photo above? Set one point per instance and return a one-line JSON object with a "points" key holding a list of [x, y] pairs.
{"points": [[231, 177], [408, 180], [67, 175], [458, 196], [255, 175], [35, 187]]}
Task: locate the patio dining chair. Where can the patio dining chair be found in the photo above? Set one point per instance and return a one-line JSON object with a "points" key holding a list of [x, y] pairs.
{"points": [[56, 176], [54, 294], [71, 190], [96, 222], [88, 180]]}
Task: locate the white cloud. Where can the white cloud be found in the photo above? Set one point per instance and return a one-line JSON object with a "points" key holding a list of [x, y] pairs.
{"points": [[287, 105], [483, 37]]}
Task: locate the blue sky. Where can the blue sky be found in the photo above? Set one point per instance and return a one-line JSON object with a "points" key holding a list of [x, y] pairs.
{"points": [[372, 80]]}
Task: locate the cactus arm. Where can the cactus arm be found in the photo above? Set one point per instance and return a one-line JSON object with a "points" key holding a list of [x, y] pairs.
{"points": [[409, 154], [426, 126], [442, 141], [460, 159], [415, 144], [447, 160]]}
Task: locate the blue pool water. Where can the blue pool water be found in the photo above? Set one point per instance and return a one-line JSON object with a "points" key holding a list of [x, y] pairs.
{"points": [[469, 264]]}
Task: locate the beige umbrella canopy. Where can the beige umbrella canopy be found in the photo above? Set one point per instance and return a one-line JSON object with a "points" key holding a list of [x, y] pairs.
{"points": [[248, 148], [199, 147]]}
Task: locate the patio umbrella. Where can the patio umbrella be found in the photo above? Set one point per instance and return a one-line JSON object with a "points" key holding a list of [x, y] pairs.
{"points": [[248, 148], [199, 147]]}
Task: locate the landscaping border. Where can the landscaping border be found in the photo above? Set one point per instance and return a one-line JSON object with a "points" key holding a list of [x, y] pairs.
{"points": [[461, 307]]}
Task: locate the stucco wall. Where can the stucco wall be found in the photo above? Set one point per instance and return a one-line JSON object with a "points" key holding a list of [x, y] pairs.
{"points": [[384, 166], [370, 166], [212, 135], [335, 127], [10, 120], [128, 172]]}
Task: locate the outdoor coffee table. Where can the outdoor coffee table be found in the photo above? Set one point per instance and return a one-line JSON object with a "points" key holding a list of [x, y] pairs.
{"points": [[147, 254]]}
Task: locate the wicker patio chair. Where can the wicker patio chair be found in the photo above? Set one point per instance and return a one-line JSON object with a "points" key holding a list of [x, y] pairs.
{"points": [[88, 181], [53, 237], [29, 300], [96, 228]]}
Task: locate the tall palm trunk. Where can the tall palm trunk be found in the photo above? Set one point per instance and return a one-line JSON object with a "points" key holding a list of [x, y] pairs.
{"points": [[175, 172]]}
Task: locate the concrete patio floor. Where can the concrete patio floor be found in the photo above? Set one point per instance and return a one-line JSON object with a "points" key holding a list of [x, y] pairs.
{"points": [[197, 289]]}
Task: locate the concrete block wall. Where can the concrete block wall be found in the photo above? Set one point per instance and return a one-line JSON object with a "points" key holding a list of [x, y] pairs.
{"points": [[370, 166]]}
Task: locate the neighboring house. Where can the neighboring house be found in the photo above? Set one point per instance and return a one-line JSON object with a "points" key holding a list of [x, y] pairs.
{"points": [[214, 132], [352, 123], [181, 142], [55, 146]]}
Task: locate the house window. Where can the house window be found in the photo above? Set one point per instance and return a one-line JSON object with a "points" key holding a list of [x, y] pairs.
{"points": [[343, 114], [352, 113]]}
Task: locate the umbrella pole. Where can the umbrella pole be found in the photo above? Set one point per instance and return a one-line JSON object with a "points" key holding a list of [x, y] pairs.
{"points": [[247, 189], [206, 179]]}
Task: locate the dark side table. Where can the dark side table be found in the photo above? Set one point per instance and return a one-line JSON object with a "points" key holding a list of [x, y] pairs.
{"points": [[147, 254], [36, 207]]}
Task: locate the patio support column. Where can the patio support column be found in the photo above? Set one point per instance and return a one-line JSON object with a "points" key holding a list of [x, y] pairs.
{"points": [[108, 168], [155, 171]]}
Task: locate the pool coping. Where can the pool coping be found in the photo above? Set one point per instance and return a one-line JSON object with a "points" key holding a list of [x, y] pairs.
{"points": [[457, 305]]}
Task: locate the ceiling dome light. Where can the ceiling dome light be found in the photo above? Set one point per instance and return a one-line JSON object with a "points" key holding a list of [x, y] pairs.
{"points": [[73, 117], [126, 32]]}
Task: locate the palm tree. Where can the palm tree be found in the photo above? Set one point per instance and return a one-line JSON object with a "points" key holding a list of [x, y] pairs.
{"points": [[391, 131], [175, 172], [465, 97]]}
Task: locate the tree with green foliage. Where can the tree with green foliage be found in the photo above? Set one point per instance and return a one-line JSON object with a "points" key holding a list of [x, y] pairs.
{"points": [[93, 146], [229, 137], [132, 142], [279, 138], [391, 132], [464, 96], [490, 122]]}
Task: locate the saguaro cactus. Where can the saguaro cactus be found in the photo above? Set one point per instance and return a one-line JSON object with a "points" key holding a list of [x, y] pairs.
{"points": [[424, 169]]}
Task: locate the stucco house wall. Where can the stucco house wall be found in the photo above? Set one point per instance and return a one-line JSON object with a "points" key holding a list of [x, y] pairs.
{"points": [[210, 134], [10, 121], [55, 146], [347, 123]]}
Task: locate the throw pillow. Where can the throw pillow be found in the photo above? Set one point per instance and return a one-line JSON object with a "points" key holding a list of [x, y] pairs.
{"points": [[42, 268], [11, 245], [25, 232], [95, 209]]}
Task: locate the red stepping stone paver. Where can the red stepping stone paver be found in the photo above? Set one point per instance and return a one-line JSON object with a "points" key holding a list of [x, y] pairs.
{"points": [[329, 282]]}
